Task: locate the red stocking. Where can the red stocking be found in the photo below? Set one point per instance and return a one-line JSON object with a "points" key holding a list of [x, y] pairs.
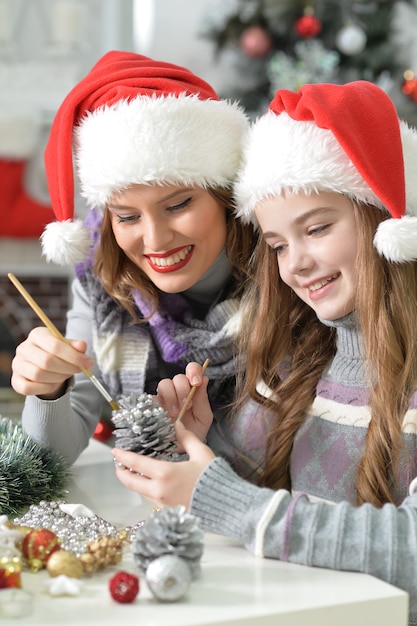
{"points": [[20, 214], [24, 209]]}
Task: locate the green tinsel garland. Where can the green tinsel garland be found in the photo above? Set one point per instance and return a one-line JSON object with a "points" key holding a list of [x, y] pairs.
{"points": [[28, 472]]}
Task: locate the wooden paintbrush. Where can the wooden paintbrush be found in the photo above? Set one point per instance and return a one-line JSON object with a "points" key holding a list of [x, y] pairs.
{"points": [[192, 392], [54, 330]]}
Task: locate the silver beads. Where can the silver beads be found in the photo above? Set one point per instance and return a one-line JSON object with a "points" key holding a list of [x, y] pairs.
{"points": [[75, 532]]}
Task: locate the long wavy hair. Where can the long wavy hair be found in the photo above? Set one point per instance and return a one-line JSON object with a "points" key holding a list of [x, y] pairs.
{"points": [[280, 328], [119, 275]]}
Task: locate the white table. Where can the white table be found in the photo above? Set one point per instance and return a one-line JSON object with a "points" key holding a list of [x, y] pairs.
{"points": [[234, 587]]}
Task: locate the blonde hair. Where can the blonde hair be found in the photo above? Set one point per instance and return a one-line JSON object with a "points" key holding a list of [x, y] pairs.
{"points": [[120, 276], [281, 329]]}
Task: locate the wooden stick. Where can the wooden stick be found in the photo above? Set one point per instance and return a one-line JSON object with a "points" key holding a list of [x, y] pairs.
{"points": [[192, 392], [55, 332]]}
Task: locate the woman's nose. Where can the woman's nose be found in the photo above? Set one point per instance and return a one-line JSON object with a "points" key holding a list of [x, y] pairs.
{"points": [[157, 235]]}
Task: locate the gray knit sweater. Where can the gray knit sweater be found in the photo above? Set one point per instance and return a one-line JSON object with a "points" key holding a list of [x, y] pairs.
{"points": [[317, 524]]}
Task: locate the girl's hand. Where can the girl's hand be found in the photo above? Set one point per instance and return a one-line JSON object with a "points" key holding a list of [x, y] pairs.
{"points": [[43, 363], [164, 483], [172, 393]]}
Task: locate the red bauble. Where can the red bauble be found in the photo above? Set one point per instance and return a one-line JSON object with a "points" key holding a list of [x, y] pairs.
{"points": [[10, 572], [256, 42], [38, 545], [307, 26], [409, 88], [103, 431], [124, 587]]}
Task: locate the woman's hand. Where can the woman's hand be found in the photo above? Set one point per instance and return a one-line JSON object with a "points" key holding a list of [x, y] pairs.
{"points": [[164, 483], [172, 393], [43, 363]]}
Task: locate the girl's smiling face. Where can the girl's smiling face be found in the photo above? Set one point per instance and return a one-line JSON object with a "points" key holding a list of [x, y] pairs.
{"points": [[174, 234], [315, 240]]}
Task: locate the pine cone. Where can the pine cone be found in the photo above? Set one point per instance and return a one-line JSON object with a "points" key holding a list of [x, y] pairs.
{"points": [[142, 426], [170, 531]]}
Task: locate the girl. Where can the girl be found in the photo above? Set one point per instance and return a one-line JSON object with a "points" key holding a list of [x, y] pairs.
{"points": [[326, 421], [160, 257]]}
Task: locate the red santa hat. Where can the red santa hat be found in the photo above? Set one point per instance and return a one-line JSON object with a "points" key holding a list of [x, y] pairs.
{"points": [[133, 120], [338, 138]]}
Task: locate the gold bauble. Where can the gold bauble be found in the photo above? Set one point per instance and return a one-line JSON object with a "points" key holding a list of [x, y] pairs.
{"points": [[64, 563]]}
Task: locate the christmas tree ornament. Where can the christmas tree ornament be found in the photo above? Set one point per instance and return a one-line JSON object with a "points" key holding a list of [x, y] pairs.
{"points": [[143, 426], [171, 531], [64, 563], [256, 42], [124, 587], [409, 87], [10, 569], [37, 547], [168, 577], [351, 40], [103, 431], [29, 473], [308, 25]]}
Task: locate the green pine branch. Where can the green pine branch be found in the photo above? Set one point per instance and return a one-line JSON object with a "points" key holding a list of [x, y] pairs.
{"points": [[28, 472]]}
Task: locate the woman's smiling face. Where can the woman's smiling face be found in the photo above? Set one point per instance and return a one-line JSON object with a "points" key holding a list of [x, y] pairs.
{"points": [[172, 233], [315, 240]]}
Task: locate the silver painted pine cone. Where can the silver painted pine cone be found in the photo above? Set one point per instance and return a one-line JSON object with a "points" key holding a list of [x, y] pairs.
{"points": [[170, 531], [143, 426]]}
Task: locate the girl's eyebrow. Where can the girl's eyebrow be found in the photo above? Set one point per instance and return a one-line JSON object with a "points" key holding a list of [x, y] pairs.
{"points": [[301, 219], [312, 213]]}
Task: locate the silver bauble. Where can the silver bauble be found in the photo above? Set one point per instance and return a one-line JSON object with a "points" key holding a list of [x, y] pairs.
{"points": [[168, 577], [351, 40]]}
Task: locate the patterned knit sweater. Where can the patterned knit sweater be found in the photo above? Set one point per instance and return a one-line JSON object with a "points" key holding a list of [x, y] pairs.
{"points": [[317, 523]]}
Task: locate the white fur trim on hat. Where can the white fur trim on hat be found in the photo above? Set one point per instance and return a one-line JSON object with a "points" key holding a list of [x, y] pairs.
{"points": [[65, 243], [396, 239], [165, 140], [283, 154]]}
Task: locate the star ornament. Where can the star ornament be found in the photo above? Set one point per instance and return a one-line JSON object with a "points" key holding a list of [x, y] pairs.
{"points": [[63, 586]]}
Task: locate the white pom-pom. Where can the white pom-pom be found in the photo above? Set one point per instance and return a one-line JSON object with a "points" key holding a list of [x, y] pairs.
{"points": [[65, 243], [396, 239]]}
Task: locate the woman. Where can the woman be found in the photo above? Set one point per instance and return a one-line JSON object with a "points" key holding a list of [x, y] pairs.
{"points": [[326, 423], [160, 257]]}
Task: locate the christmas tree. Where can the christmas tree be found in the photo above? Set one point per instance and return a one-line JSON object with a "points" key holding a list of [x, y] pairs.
{"points": [[283, 44]]}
